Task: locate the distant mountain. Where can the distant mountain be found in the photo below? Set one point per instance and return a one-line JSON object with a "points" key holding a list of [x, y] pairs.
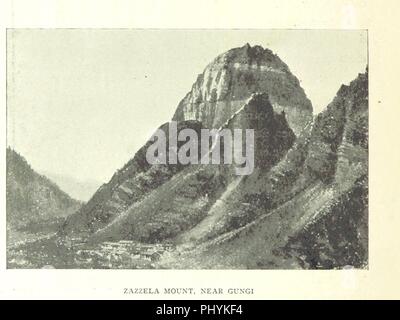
{"points": [[128, 185], [81, 190], [31, 197]]}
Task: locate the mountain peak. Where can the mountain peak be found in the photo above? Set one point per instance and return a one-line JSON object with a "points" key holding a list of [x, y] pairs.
{"points": [[253, 55], [257, 50], [232, 77]]}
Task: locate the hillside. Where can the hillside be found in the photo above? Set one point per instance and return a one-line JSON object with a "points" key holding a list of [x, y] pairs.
{"points": [[33, 201], [313, 217]]}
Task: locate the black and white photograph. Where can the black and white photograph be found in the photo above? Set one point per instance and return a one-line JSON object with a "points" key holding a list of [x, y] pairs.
{"points": [[187, 149]]}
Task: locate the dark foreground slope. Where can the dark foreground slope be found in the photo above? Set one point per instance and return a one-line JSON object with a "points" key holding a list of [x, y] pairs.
{"points": [[193, 200], [127, 186]]}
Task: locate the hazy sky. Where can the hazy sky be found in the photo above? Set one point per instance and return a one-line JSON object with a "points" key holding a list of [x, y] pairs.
{"points": [[81, 102]]}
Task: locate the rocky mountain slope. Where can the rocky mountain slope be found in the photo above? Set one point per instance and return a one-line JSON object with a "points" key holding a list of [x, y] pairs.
{"points": [[31, 197], [196, 193], [224, 87], [316, 212], [305, 205]]}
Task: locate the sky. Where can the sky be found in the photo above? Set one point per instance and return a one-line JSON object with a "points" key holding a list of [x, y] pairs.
{"points": [[81, 102]]}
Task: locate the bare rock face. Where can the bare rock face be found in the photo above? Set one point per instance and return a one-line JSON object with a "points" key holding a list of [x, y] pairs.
{"points": [[232, 77]]}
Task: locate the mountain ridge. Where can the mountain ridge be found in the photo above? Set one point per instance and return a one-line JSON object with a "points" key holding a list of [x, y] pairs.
{"points": [[322, 222], [102, 209], [293, 211]]}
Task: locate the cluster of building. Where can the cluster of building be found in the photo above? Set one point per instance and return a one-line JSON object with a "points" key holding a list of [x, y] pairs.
{"points": [[121, 254]]}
